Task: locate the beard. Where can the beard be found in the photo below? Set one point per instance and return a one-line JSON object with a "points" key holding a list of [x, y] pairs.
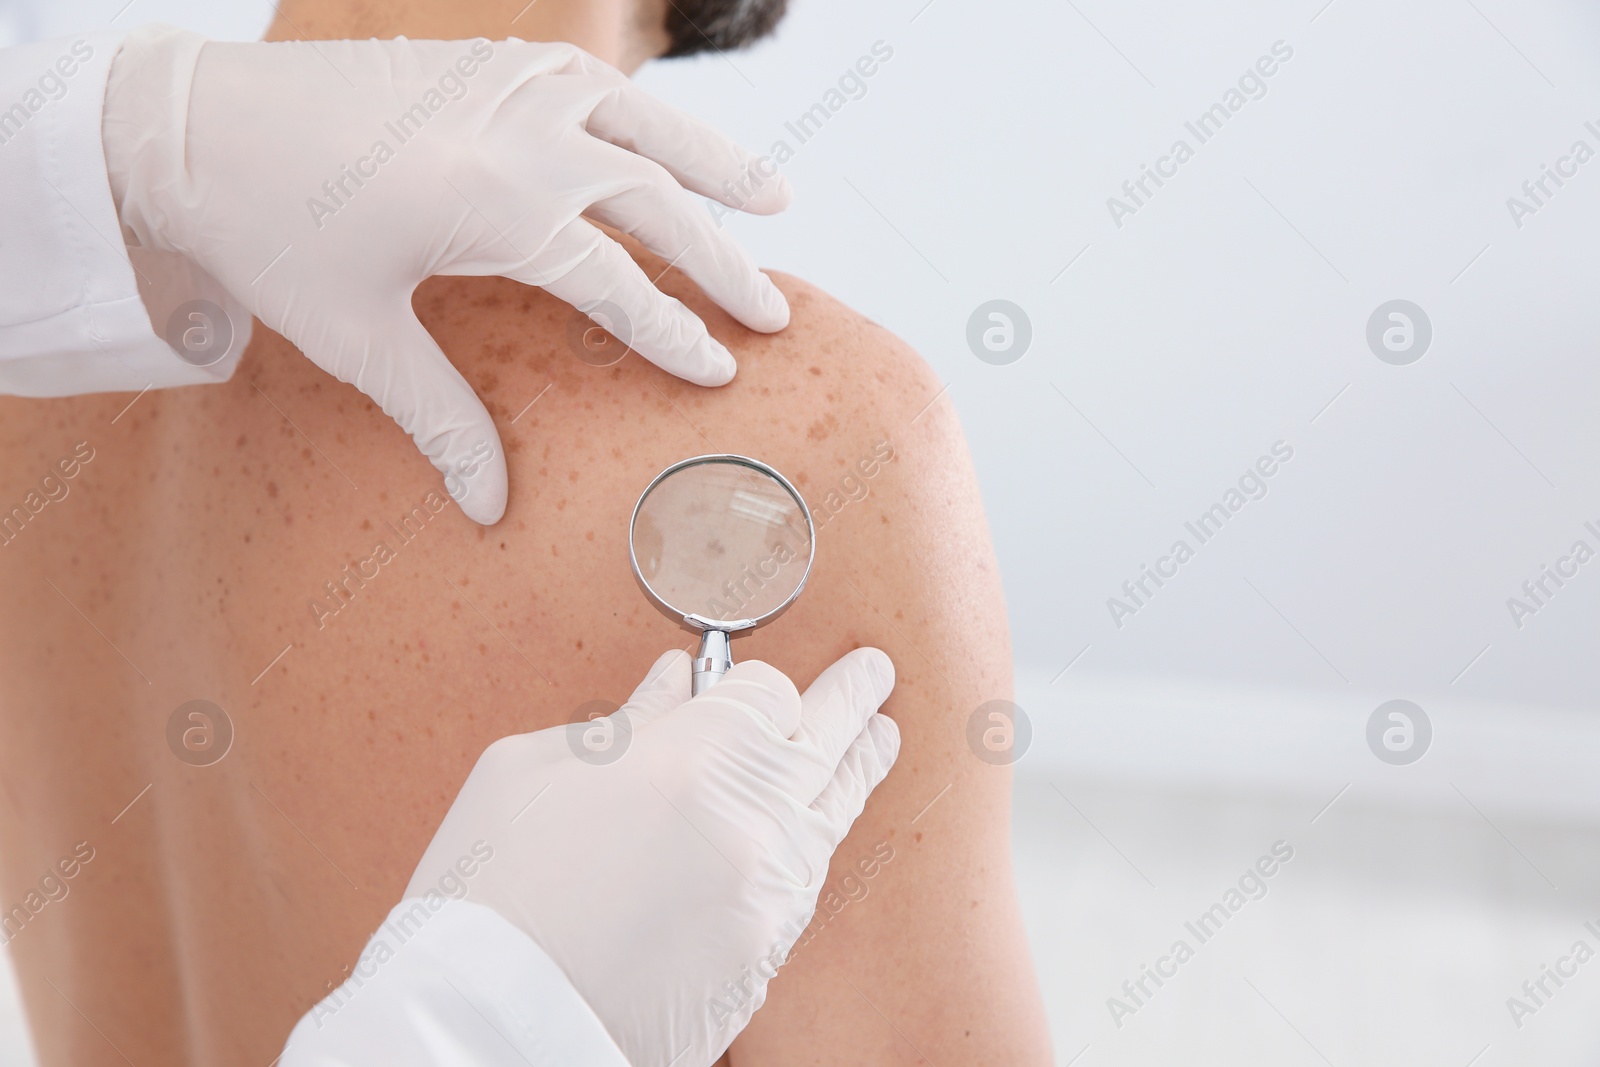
{"points": [[703, 25]]}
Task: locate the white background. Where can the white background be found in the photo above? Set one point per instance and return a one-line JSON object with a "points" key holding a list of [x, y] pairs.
{"points": [[1223, 316]]}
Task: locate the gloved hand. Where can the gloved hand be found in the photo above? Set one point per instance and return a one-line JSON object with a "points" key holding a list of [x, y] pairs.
{"points": [[670, 869], [321, 182]]}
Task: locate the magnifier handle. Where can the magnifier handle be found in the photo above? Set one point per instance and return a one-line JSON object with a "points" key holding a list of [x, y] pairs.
{"points": [[716, 656]]}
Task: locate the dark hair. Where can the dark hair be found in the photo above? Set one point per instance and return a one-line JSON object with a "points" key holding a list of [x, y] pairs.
{"points": [[703, 25]]}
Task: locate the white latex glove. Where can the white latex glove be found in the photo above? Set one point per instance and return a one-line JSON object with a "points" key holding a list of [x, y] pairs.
{"points": [[321, 182], [670, 882]]}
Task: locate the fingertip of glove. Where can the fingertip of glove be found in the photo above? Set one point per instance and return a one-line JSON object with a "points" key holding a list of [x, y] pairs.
{"points": [[475, 477], [885, 733], [726, 369], [713, 364], [879, 669], [485, 504], [765, 675], [664, 664], [774, 195], [774, 314]]}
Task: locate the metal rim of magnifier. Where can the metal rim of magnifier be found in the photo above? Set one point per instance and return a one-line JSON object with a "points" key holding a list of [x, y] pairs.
{"points": [[700, 622]]}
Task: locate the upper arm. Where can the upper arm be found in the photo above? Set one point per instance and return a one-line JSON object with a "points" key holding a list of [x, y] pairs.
{"points": [[917, 942]]}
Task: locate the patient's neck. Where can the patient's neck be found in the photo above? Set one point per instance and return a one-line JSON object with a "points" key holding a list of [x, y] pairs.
{"points": [[624, 33]]}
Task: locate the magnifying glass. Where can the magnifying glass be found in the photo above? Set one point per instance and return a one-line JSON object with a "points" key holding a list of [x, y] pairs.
{"points": [[721, 544]]}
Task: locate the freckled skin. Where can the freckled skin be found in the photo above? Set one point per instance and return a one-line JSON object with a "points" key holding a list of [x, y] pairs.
{"points": [[220, 906]]}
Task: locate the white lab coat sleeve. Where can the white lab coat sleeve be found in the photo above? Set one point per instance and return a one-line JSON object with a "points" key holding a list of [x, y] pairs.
{"points": [[79, 313], [448, 981]]}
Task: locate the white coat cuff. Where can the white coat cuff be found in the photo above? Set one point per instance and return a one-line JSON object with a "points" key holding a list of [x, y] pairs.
{"points": [[452, 982], [76, 314]]}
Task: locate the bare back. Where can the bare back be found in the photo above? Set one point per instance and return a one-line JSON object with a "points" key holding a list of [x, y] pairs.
{"points": [[275, 546]]}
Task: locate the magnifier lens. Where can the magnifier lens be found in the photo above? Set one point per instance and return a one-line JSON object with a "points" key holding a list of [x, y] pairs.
{"points": [[721, 540], [723, 543]]}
